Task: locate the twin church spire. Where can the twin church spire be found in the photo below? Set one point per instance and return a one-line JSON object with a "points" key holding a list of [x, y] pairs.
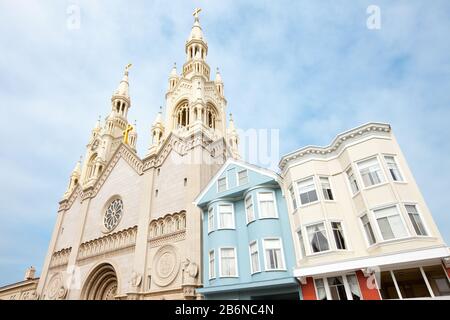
{"points": [[194, 104]]}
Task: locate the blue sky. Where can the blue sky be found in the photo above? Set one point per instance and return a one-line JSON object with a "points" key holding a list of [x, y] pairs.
{"points": [[309, 68]]}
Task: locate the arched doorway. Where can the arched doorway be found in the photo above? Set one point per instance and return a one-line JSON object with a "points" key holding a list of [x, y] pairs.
{"points": [[101, 284]]}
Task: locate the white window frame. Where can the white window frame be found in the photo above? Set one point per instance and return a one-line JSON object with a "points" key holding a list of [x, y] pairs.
{"points": [[300, 204], [361, 224], [309, 251], [255, 242], [226, 184], [348, 291], [383, 173], [293, 197], [398, 168], [419, 212], [253, 207], [274, 204], [358, 183], [237, 177], [282, 254], [344, 234], [301, 242], [235, 263], [219, 226], [331, 188], [400, 213], [212, 272], [211, 220]]}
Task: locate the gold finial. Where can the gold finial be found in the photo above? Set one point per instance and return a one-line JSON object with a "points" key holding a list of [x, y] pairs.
{"points": [[196, 13], [126, 133]]}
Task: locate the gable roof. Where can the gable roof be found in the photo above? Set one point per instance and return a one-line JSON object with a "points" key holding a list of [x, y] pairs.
{"points": [[231, 161]]}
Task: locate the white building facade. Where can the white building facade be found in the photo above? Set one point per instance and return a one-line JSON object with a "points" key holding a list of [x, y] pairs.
{"points": [[361, 227]]}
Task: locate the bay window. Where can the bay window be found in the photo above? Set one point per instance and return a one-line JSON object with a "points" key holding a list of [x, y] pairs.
{"points": [[393, 168], [368, 229], [338, 234], [210, 219], [254, 257], [228, 262], [416, 221], [212, 265], [317, 237], [250, 213], [267, 205], [226, 219], [326, 188]]}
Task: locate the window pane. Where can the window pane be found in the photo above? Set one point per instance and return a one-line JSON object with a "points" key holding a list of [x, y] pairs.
{"points": [[320, 288], [390, 223], [338, 235], [411, 283], [354, 286], [368, 229], [302, 244], [326, 188], [307, 191], [266, 205], [387, 286], [416, 220], [438, 280], [371, 172], [294, 200], [222, 184], [212, 271], [254, 257], [274, 259], [337, 288], [226, 216], [393, 168], [249, 209], [228, 262], [243, 177], [211, 219]]}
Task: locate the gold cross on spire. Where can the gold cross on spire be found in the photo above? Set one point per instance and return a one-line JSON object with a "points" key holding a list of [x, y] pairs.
{"points": [[196, 12], [126, 133]]}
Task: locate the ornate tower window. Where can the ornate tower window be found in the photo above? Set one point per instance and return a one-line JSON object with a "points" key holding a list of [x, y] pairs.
{"points": [[211, 116], [113, 214], [182, 114]]}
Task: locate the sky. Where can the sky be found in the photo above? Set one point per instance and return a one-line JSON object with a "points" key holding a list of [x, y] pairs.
{"points": [[310, 69]]}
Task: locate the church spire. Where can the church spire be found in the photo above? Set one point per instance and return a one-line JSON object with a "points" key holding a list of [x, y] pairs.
{"points": [[121, 97], [196, 50], [233, 138]]}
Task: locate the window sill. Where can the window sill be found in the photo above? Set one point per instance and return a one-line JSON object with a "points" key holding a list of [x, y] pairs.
{"points": [[399, 240], [400, 182], [230, 228], [275, 270], [256, 272], [269, 218], [229, 277], [355, 194]]}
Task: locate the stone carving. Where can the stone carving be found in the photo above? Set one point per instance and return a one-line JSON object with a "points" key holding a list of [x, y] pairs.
{"points": [[56, 289], [190, 273], [166, 265], [136, 279], [60, 258]]}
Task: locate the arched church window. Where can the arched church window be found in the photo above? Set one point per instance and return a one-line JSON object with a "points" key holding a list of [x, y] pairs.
{"points": [[211, 116], [90, 170], [183, 114]]}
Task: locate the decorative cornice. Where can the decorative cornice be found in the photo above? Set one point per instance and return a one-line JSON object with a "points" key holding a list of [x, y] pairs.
{"points": [[168, 238], [337, 143], [66, 203]]}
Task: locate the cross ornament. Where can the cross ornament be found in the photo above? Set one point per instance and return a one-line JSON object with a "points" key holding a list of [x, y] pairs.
{"points": [[196, 12]]}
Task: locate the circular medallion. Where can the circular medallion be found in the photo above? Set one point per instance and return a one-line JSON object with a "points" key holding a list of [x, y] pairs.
{"points": [[166, 265], [113, 214], [55, 288]]}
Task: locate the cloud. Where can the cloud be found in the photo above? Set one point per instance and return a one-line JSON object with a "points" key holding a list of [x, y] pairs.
{"points": [[311, 69]]}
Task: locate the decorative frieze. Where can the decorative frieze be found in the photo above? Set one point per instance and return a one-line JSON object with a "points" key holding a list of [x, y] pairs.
{"points": [[112, 242], [60, 258]]}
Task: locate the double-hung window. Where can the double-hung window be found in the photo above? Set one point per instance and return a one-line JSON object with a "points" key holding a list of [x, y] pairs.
{"points": [[294, 200], [352, 180], [228, 262], [368, 229], [338, 234], [393, 168], [317, 236], [254, 257], [226, 219], [210, 219], [242, 177], [222, 184], [212, 265], [249, 211], [326, 188], [416, 221], [370, 171], [267, 205], [345, 287], [307, 191], [273, 254], [390, 223]]}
